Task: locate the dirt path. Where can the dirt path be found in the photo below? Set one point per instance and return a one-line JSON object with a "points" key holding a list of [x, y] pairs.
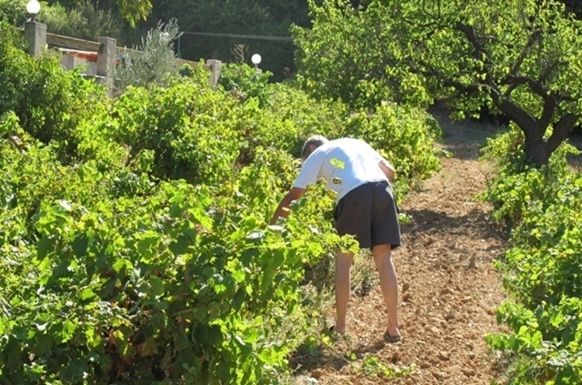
{"points": [[449, 288]]}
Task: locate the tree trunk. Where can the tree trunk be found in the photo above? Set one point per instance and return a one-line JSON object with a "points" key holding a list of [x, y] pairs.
{"points": [[537, 151], [536, 148]]}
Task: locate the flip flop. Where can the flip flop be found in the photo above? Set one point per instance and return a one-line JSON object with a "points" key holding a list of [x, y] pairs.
{"points": [[392, 339], [332, 330]]}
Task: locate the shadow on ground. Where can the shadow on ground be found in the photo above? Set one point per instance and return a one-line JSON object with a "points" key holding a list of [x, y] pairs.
{"points": [[310, 358], [432, 222], [464, 138]]}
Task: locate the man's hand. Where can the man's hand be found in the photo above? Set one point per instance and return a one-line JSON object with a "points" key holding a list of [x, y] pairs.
{"points": [[294, 194]]}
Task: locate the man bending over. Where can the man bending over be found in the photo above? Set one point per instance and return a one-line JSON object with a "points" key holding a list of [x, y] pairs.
{"points": [[365, 208]]}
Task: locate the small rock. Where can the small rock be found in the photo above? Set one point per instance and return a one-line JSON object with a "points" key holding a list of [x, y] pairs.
{"points": [[438, 375], [316, 373], [395, 357], [405, 287], [468, 372], [472, 263], [445, 356], [471, 355], [446, 290], [429, 242]]}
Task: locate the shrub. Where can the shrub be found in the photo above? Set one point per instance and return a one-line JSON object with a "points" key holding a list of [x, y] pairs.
{"points": [[48, 101], [405, 136], [82, 21], [153, 63], [13, 12], [541, 271]]}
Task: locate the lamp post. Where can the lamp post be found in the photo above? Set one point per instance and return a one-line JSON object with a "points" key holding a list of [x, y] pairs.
{"points": [[33, 8], [256, 59], [34, 32]]}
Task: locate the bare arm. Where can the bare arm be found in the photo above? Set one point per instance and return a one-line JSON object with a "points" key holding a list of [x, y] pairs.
{"points": [[293, 194], [388, 169]]}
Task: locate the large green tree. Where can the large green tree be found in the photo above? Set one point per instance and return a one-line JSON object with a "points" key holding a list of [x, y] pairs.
{"points": [[131, 11], [13, 12], [519, 57]]}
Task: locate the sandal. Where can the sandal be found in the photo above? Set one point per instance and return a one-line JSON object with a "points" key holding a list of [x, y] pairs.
{"points": [[392, 339], [332, 330]]}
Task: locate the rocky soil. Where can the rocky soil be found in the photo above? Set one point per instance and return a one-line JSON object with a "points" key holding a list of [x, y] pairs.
{"points": [[449, 288]]}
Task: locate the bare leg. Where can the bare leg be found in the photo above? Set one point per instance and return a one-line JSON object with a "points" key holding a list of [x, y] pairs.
{"points": [[343, 263], [389, 285]]}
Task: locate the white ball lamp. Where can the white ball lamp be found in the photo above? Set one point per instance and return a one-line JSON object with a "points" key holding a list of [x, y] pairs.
{"points": [[33, 8], [256, 59]]}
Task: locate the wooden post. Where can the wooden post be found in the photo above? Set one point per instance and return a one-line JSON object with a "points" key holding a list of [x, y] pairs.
{"points": [[215, 67], [35, 33], [106, 61]]}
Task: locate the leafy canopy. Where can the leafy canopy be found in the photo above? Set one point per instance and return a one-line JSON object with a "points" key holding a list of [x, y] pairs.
{"points": [[131, 11], [520, 57]]}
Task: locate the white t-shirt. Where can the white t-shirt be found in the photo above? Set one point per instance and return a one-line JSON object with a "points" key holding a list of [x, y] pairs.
{"points": [[344, 164]]}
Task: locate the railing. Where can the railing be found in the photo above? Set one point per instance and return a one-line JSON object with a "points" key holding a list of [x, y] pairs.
{"points": [[105, 52]]}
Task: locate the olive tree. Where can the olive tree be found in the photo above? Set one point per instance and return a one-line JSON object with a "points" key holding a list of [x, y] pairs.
{"points": [[153, 63], [519, 57]]}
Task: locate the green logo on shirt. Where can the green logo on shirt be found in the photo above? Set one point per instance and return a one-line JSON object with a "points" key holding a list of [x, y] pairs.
{"points": [[337, 163]]}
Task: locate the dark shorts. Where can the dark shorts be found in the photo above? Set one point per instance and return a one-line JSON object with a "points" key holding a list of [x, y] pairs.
{"points": [[369, 212]]}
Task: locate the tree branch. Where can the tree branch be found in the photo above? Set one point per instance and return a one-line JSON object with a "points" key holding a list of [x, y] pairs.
{"points": [[429, 71], [550, 104], [525, 121], [561, 130], [514, 80], [534, 38], [438, 15], [469, 33], [548, 71]]}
